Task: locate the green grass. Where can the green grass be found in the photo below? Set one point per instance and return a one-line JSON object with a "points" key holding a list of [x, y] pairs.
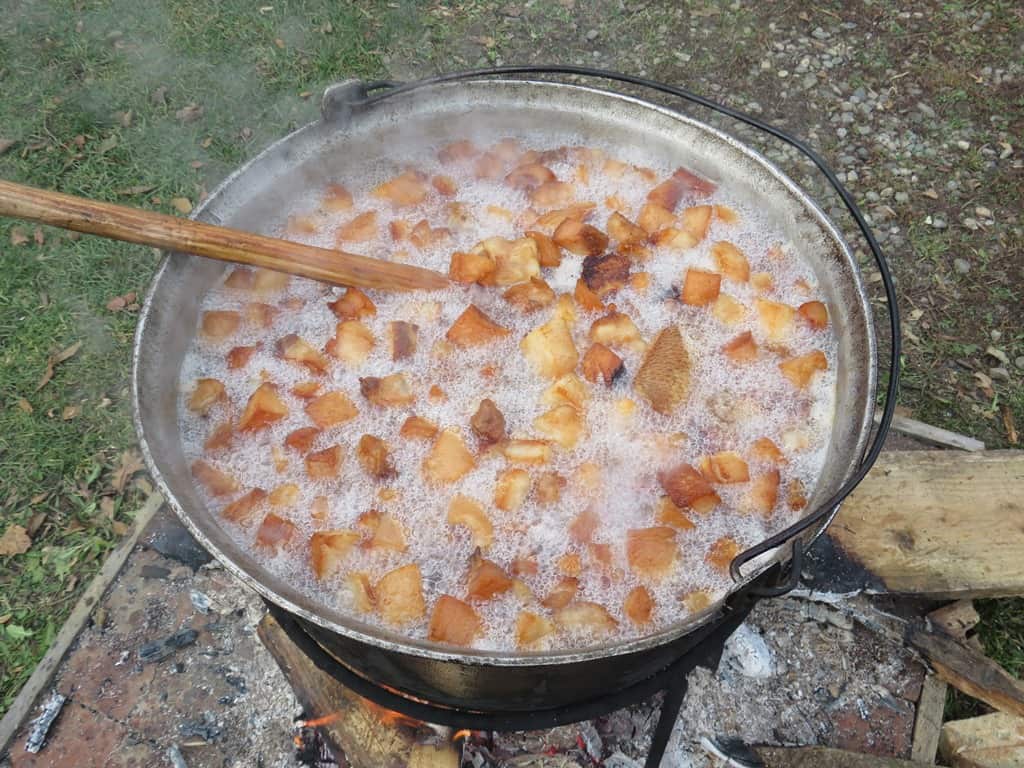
{"points": [[70, 71]]}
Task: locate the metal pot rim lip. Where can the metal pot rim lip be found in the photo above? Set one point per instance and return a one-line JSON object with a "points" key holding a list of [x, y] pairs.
{"points": [[469, 656]]}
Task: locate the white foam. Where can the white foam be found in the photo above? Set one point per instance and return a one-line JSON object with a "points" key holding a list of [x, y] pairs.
{"points": [[624, 448]]}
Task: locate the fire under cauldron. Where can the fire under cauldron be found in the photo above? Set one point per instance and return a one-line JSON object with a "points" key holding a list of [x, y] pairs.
{"points": [[515, 690]]}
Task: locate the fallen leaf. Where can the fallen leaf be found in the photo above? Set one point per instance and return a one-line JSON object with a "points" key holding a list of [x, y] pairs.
{"points": [[56, 360], [18, 236], [279, 42], [25, 405], [107, 507], [139, 189], [1011, 428], [205, 143], [196, 164], [79, 141], [119, 528], [38, 235], [5, 144], [246, 133], [159, 96], [106, 145], [181, 205], [143, 485], [125, 118], [14, 541], [129, 464], [6, 617], [189, 113], [69, 412], [35, 523], [998, 354], [116, 304], [39, 497]]}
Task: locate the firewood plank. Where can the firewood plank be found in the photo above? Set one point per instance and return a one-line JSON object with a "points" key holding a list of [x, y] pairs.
{"points": [[928, 720], [989, 741], [942, 524], [968, 670], [825, 757]]}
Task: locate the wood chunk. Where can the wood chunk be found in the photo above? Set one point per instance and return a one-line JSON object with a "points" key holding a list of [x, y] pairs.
{"points": [[606, 274], [968, 670], [957, 620], [995, 740], [454, 622], [473, 328], [664, 376], [928, 720], [399, 595], [263, 408], [825, 757]]}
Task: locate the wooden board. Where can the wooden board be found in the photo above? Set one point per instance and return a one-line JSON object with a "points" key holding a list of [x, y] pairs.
{"points": [[355, 727], [989, 741], [939, 523], [825, 757], [928, 720]]}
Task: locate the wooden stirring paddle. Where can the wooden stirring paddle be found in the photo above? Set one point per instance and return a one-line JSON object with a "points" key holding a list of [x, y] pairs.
{"points": [[119, 222]]}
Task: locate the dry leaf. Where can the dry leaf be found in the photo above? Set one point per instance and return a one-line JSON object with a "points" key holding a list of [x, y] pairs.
{"points": [[205, 143], [18, 236], [14, 541], [125, 118], [196, 164], [139, 189], [116, 304], [56, 360], [189, 113], [69, 412], [159, 97], [106, 145], [1011, 428], [25, 405], [35, 523], [119, 528], [5, 144], [143, 485], [182, 205], [107, 507], [129, 464], [38, 236]]}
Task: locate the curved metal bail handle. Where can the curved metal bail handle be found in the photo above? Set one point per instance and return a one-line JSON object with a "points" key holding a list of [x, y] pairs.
{"points": [[831, 506]]}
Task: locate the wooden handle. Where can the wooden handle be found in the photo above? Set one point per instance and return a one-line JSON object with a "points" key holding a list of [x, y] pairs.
{"points": [[119, 222]]}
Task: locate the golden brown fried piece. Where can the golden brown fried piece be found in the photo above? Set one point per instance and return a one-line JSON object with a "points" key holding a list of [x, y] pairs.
{"points": [[453, 622], [654, 218], [297, 350], [457, 151], [700, 288], [374, 457], [776, 319], [639, 606], [531, 296], [651, 552], [336, 198], [814, 314], [764, 449], [216, 481], [623, 231], [260, 314], [688, 489], [242, 509], [331, 409], [449, 459], [221, 437], [568, 390], [325, 464], [617, 329], [462, 510], [731, 261], [667, 513], [351, 344], [384, 531], [274, 532], [358, 230], [392, 391], [399, 595], [601, 364], [586, 298], [473, 328], [511, 489], [586, 616], [219, 324], [553, 194], [579, 238], [488, 423], [239, 357], [207, 393], [549, 487], [409, 188], [604, 274], [486, 579], [263, 409], [800, 370], [530, 628], [742, 349], [563, 593], [724, 467], [418, 428], [473, 267], [353, 304], [529, 176], [764, 492], [327, 550], [728, 310], [721, 554], [403, 339], [302, 439], [550, 349], [664, 376], [527, 451], [548, 254]]}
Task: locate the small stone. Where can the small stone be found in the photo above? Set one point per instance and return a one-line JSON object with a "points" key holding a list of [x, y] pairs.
{"points": [[984, 212], [748, 653], [999, 374], [820, 34], [939, 223], [1020, 362], [971, 223], [886, 193], [963, 266], [872, 196], [996, 336], [901, 197], [783, 73], [851, 176], [925, 109], [592, 34], [964, 145], [810, 81]]}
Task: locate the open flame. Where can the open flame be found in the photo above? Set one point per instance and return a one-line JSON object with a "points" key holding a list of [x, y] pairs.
{"points": [[390, 717], [464, 733]]}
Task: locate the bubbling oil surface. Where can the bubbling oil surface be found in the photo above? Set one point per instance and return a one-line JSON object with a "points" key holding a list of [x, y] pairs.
{"points": [[728, 408]]}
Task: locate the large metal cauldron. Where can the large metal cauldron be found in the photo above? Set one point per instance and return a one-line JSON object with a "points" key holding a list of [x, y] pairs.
{"points": [[256, 198]]}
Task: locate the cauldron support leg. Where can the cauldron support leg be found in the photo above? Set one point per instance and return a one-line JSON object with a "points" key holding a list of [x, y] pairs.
{"points": [[674, 695]]}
